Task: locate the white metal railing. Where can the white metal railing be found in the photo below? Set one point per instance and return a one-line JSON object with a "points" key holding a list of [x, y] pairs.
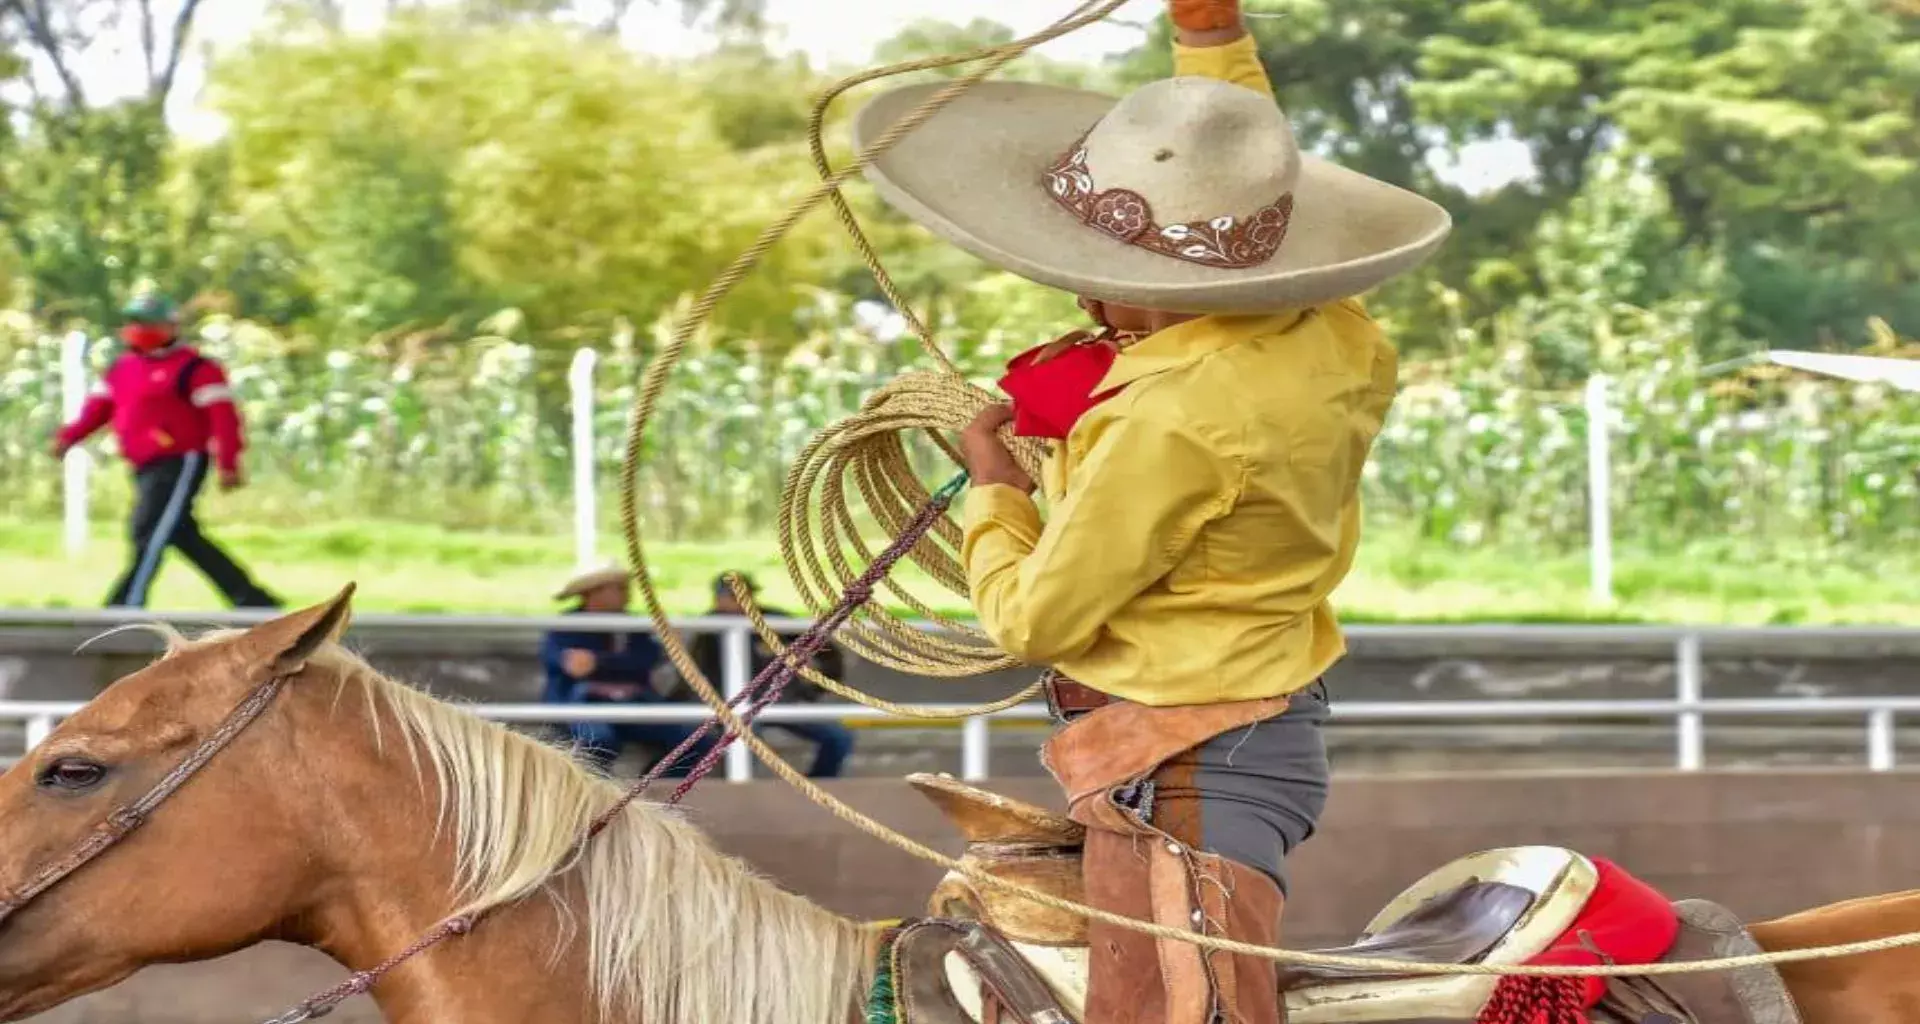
{"points": [[1612, 637], [1688, 708], [1879, 713]]}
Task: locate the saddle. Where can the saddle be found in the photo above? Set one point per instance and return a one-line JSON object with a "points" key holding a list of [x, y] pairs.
{"points": [[1496, 907]]}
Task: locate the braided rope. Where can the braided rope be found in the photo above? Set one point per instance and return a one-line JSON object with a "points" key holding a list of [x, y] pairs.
{"points": [[866, 457], [871, 449], [937, 403], [767, 686]]}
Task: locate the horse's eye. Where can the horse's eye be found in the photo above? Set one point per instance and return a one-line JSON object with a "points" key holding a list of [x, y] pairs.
{"points": [[71, 774]]}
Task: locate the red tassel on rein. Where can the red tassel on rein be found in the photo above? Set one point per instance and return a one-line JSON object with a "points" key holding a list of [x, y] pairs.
{"points": [[1536, 1001]]}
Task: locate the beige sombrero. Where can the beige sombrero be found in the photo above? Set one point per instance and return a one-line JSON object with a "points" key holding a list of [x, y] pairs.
{"points": [[1189, 195], [592, 579]]}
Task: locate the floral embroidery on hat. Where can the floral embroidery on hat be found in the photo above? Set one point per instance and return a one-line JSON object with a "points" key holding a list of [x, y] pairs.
{"points": [[1228, 242]]}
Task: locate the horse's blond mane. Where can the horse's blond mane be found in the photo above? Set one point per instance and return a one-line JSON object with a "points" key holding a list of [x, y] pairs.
{"points": [[676, 932]]}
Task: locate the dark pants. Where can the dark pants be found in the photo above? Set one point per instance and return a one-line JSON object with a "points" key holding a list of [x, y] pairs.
{"points": [[832, 741], [163, 515], [601, 742], [1259, 791]]}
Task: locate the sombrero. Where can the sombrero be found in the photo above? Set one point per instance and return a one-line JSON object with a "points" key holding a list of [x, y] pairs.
{"points": [[1189, 195], [591, 580]]}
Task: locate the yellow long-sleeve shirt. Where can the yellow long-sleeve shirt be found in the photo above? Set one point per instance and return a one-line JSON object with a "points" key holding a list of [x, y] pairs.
{"points": [[1201, 518]]}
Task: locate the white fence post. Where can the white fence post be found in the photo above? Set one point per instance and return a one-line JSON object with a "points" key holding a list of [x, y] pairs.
{"points": [[1688, 690], [976, 746], [736, 662], [585, 506], [39, 727], [1880, 740], [1599, 491], [73, 395]]}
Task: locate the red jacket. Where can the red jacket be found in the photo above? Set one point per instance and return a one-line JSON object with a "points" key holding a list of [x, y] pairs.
{"points": [[163, 404]]}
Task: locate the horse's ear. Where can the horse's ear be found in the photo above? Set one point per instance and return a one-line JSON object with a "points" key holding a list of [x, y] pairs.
{"points": [[283, 645]]}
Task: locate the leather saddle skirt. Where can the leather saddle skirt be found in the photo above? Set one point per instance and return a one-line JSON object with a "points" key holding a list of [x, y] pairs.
{"points": [[1004, 959]]}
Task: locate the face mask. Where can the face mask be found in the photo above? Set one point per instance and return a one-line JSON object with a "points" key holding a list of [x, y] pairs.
{"points": [[147, 337]]}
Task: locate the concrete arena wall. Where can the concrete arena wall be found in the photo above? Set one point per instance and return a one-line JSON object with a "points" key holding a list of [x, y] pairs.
{"points": [[1763, 843]]}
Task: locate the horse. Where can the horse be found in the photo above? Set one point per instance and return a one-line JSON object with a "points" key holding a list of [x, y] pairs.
{"points": [[356, 813]]}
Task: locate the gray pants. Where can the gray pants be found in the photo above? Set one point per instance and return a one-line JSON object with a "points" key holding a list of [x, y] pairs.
{"points": [[1258, 791]]}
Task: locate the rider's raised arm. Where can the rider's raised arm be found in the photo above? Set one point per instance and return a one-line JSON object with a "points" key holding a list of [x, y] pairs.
{"points": [[1210, 40]]}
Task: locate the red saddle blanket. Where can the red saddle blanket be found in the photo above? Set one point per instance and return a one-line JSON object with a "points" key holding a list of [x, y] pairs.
{"points": [[1625, 921]]}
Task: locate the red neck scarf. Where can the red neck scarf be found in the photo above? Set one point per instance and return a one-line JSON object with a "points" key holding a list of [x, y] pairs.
{"points": [[1051, 392]]}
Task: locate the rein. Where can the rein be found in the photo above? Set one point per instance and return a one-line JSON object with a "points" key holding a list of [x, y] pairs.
{"points": [[765, 688], [121, 823]]}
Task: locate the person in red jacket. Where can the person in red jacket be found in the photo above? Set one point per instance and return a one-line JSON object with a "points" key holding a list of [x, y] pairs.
{"points": [[171, 409]]}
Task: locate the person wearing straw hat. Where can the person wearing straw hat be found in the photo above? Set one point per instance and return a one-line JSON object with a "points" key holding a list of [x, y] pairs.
{"points": [[1209, 439], [587, 667]]}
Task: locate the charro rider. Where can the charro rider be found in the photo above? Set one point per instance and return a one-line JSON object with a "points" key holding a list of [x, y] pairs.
{"points": [[1203, 487]]}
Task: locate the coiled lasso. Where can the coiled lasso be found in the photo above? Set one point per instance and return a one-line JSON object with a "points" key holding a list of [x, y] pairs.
{"points": [[869, 449]]}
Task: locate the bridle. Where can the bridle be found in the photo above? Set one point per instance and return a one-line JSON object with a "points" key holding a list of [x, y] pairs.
{"points": [[765, 688], [122, 822]]}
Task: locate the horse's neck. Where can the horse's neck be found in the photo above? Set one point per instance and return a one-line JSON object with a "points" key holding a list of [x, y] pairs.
{"points": [[506, 970], [530, 961], [512, 967], [687, 935]]}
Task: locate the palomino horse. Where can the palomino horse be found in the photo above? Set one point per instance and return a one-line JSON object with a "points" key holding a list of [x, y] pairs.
{"points": [[356, 814]]}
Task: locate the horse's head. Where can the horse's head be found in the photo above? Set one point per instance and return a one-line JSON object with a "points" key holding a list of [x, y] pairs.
{"points": [[205, 874]]}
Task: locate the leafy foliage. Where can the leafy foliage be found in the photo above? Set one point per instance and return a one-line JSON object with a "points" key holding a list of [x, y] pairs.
{"points": [[80, 204], [440, 168], [1782, 129], [402, 235], [1782, 132]]}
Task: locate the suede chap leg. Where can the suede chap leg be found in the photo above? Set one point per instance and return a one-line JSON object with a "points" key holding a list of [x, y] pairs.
{"points": [[1144, 859]]}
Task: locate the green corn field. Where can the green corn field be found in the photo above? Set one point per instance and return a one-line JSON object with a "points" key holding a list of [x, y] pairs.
{"points": [[475, 434]]}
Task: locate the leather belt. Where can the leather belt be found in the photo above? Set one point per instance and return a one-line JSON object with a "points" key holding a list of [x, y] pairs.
{"points": [[1068, 700]]}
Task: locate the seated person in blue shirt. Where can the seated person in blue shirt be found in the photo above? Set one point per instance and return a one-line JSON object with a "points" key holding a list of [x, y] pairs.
{"points": [[832, 741], [597, 667]]}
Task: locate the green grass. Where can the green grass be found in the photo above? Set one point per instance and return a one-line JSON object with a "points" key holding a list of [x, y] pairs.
{"points": [[402, 567]]}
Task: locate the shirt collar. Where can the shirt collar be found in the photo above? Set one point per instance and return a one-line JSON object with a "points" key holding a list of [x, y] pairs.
{"points": [[1189, 341]]}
